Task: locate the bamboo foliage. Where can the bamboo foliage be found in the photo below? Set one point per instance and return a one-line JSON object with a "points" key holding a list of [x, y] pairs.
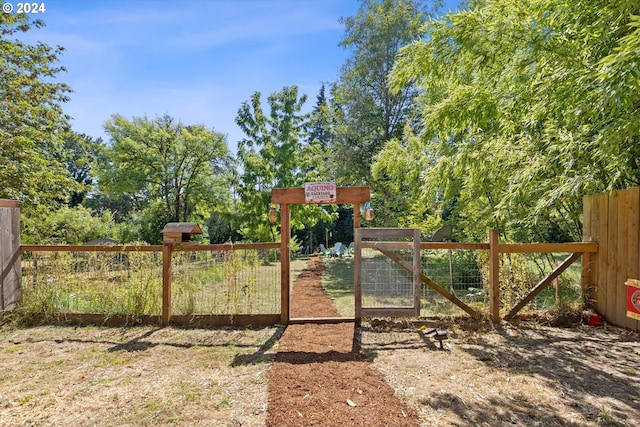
{"points": [[525, 108]]}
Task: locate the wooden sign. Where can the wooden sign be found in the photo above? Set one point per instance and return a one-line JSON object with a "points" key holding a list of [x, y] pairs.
{"points": [[320, 192], [633, 299]]}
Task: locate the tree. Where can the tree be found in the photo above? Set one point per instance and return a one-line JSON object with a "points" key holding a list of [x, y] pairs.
{"points": [[401, 165], [367, 112], [271, 158], [73, 226], [318, 159], [31, 118], [80, 154], [176, 171], [525, 108]]}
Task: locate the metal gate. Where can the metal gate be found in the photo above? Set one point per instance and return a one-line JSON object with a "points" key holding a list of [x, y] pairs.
{"points": [[387, 272]]}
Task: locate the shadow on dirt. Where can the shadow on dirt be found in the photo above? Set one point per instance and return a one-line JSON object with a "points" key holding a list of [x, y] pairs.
{"points": [[303, 357], [146, 341], [593, 371], [582, 362], [262, 355]]}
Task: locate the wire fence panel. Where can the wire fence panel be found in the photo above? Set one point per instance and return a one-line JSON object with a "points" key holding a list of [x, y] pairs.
{"points": [[92, 282], [384, 282], [245, 281], [239, 281], [520, 272], [457, 271], [465, 273]]}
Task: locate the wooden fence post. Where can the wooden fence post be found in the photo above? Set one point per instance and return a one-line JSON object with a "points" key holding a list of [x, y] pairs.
{"points": [[494, 275], [285, 257], [167, 248], [10, 266]]}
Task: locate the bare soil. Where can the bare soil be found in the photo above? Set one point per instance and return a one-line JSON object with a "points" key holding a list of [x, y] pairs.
{"points": [[389, 373], [485, 375]]}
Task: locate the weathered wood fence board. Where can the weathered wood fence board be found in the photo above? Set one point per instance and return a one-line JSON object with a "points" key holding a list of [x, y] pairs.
{"points": [[10, 270], [612, 220]]}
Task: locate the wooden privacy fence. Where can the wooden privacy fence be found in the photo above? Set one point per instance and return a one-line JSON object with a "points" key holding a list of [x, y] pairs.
{"points": [[612, 220], [10, 272]]}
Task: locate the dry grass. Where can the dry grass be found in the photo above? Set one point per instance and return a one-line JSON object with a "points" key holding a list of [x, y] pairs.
{"points": [[242, 281], [526, 374], [529, 375], [136, 376]]}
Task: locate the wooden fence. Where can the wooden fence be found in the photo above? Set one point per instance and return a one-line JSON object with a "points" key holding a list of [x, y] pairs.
{"points": [[166, 267], [495, 249], [610, 254], [10, 290], [612, 220]]}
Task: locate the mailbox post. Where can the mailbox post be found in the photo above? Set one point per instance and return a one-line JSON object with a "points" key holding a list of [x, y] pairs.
{"points": [[173, 233]]}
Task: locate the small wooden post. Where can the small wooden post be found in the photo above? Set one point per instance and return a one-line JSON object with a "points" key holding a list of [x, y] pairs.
{"points": [[416, 271], [494, 275], [357, 262], [357, 265], [285, 236], [167, 248]]}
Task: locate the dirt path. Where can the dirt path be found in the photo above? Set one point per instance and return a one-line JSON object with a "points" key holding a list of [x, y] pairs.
{"points": [[320, 377]]}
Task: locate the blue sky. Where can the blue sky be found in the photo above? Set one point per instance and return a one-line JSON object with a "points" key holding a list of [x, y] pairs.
{"points": [[195, 60]]}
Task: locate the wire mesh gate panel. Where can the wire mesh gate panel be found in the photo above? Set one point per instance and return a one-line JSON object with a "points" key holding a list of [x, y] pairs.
{"points": [[387, 272]]}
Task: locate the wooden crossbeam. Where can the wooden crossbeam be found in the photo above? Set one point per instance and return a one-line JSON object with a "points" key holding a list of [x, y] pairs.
{"points": [[529, 248], [543, 284], [429, 282], [320, 320], [344, 195]]}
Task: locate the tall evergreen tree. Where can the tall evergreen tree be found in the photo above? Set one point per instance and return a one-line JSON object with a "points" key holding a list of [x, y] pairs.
{"points": [[318, 155], [319, 129]]}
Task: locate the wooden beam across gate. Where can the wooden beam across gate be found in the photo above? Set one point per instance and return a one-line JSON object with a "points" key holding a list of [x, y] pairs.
{"points": [[344, 196], [543, 284]]}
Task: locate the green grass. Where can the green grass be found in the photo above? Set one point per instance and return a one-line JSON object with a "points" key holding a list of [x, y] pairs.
{"points": [[297, 266], [337, 280]]}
